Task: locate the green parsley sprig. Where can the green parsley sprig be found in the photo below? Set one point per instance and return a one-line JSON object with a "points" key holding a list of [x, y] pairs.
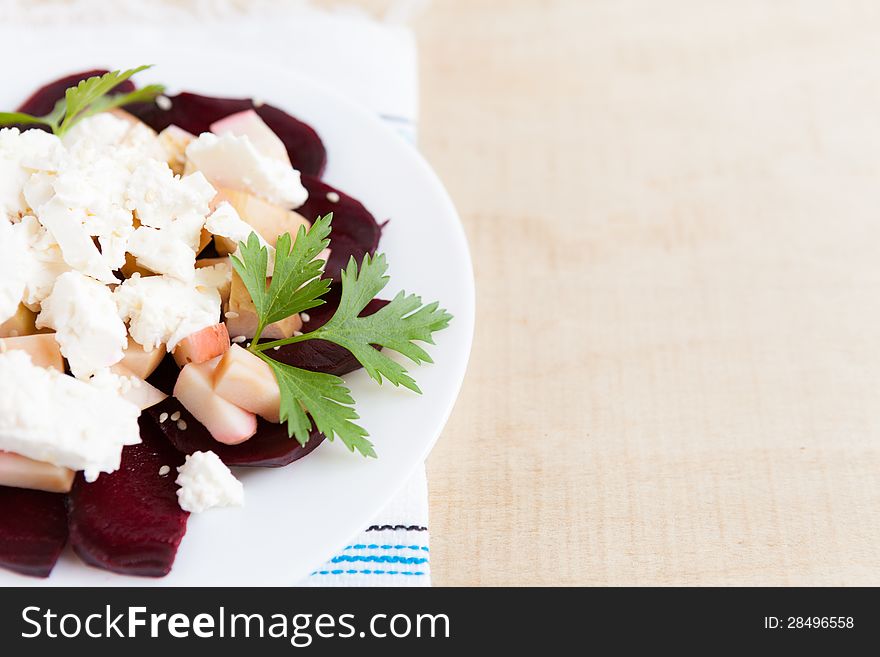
{"points": [[89, 97], [297, 286]]}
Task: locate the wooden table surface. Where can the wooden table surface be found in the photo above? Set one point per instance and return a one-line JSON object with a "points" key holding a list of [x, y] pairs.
{"points": [[674, 210]]}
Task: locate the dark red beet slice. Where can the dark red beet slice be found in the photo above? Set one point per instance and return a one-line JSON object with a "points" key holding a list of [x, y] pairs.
{"points": [[129, 522], [33, 530], [165, 375], [269, 448], [43, 99], [195, 114], [355, 231]]}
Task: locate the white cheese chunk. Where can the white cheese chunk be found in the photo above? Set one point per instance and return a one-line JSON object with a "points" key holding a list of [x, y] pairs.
{"points": [[159, 197], [43, 261], [129, 142], [155, 251], [66, 225], [205, 483], [215, 277], [226, 222], [87, 326], [161, 309], [13, 270], [21, 155], [233, 161], [48, 416]]}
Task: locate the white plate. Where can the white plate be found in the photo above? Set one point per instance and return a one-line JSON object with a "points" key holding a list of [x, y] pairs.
{"points": [[295, 517]]}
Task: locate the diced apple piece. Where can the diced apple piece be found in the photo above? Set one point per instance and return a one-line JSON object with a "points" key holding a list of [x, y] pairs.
{"points": [[249, 124], [141, 394], [21, 323], [210, 262], [131, 267], [175, 140], [241, 316], [42, 348], [246, 381], [225, 421], [140, 362], [202, 345], [268, 220], [21, 472], [204, 240]]}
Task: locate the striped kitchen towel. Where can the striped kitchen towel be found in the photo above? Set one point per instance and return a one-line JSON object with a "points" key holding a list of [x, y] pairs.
{"points": [[372, 62]]}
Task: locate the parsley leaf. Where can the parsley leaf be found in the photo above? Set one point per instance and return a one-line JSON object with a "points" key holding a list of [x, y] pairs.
{"points": [[396, 326], [296, 284], [89, 97], [327, 400]]}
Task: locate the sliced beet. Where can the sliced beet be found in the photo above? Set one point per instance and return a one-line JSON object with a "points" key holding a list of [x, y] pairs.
{"points": [[355, 231], [269, 448], [129, 522], [43, 100], [33, 530], [195, 114], [165, 376]]}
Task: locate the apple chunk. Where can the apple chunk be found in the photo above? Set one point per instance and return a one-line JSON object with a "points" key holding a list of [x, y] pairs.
{"points": [[241, 317], [268, 220], [175, 140], [21, 472], [141, 394], [202, 345], [225, 421], [249, 124], [243, 379], [21, 323], [42, 348], [140, 362]]}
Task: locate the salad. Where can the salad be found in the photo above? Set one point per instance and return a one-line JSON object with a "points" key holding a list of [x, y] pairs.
{"points": [[180, 292]]}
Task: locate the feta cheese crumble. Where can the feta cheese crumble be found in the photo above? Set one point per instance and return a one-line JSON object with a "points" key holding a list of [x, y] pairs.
{"points": [[161, 309], [233, 161], [48, 416], [86, 322], [205, 483], [226, 222], [12, 270]]}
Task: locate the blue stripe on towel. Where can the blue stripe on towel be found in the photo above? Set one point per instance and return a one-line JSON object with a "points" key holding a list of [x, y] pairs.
{"points": [[374, 558], [373, 546], [413, 573]]}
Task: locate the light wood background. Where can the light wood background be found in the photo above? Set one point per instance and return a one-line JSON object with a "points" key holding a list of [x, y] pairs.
{"points": [[674, 210]]}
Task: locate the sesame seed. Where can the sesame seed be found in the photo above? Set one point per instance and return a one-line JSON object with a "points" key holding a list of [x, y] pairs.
{"points": [[333, 197], [164, 470], [296, 334], [163, 417], [238, 339], [163, 102], [276, 348], [231, 314], [181, 424], [175, 416], [305, 317], [259, 102]]}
